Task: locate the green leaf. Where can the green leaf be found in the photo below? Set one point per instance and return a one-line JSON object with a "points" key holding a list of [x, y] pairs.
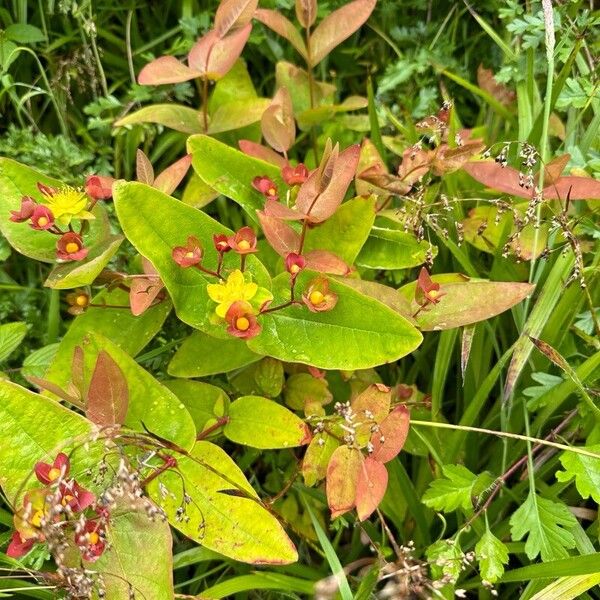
{"points": [[260, 581], [445, 559], [389, 247], [545, 523], [585, 470], [153, 222], [346, 231], [335, 339], [151, 405], [118, 325], [149, 573], [464, 301], [316, 458], [456, 491], [224, 514], [231, 172], [16, 181], [174, 116], [492, 555], [39, 360], [11, 335], [206, 403], [574, 565], [235, 85], [201, 355], [23, 33], [34, 428], [237, 113], [262, 423], [568, 588], [82, 273]]}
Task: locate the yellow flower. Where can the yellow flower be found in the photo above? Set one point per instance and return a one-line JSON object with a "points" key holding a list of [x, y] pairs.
{"points": [[67, 203], [235, 289]]}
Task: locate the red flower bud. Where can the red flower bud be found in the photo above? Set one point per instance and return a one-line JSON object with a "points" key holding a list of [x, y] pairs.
{"points": [[221, 243], [70, 247], [242, 321], [18, 546], [99, 187], [46, 190], [188, 255], [91, 540], [294, 175], [427, 290], [42, 218], [317, 296], [266, 187], [28, 205], [244, 241], [294, 263]]}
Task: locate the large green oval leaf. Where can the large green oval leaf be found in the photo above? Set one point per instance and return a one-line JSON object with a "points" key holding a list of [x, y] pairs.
{"points": [[390, 247], [128, 332], [261, 423], [35, 428], [346, 231], [201, 355], [82, 273], [224, 513], [151, 405], [464, 301], [231, 172], [155, 223], [16, 181], [360, 332], [149, 573]]}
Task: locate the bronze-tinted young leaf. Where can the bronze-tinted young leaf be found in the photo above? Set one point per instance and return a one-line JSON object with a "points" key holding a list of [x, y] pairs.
{"points": [[108, 393], [263, 152], [213, 56], [337, 27], [370, 487], [574, 188], [342, 478], [370, 407], [448, 160], [168, 180], [281, 211], [372, 165], [317, 456], [415, 165], [389, 440], [324, 190], [553, 170], [143, 292], [233, 14], [283, 27], [144, 169], [306, 12], [465, 301], [277, 123], [324, 261], [497, 177], [166, 69], [282, 238]]}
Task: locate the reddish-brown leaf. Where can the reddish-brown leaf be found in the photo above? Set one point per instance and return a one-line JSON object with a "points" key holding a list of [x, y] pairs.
{"points": [[322, 193], [497, 177], [337, 27], [487, 82], [370, 487], [108, 394], [371, 164], [390, 438], [575, 188], [233, 14], [144, 168], [277, 123], [262, 152], [171, 177], [415, 165], [142, 293], [166, 69], [281, 237], [283, 27], [447, 160], [77, 371], [342, 477], [281, 211], [324, 261], [555, 168], [551, 353], [213, 56], [306, 12]]}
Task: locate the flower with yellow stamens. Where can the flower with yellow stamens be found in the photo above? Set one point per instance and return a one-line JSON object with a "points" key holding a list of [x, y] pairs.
{"points": [[66, 203], [235, 289]]}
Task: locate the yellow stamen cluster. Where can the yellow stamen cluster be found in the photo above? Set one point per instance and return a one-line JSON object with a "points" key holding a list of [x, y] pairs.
{"points": [[316, 298], [72, 247], [244, 245], [242, 323]]}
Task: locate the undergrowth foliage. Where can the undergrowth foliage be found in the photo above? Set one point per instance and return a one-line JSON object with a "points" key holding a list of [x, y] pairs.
{"points": [[260, 318]]}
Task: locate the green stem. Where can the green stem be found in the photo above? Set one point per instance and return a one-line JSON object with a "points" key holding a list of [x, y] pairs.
{"points": [[53, 317]]}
